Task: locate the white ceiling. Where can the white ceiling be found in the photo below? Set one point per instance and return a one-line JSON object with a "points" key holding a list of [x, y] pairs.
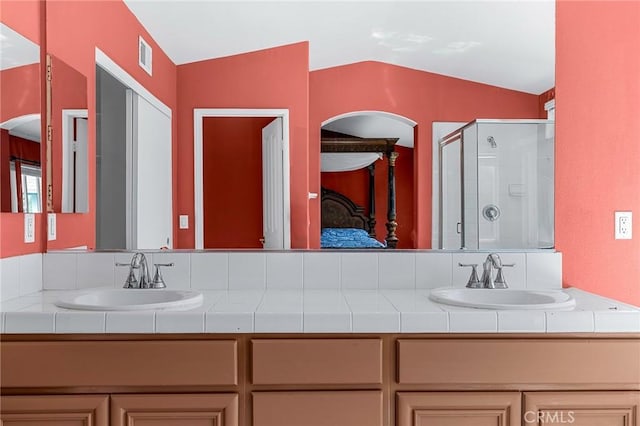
{"points": [[373, 125], [508, 44], [16, 50]]}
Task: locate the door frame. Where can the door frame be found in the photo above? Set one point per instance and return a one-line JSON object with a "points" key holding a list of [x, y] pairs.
{"points": [[198, 186], [68, 116]]}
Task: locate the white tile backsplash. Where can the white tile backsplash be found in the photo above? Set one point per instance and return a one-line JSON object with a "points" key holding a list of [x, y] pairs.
{"points": [[80, 322], [284, 270], [10, 278], [130, 322], [359, 270], [237, 270], [94, 270], [544, 270], [30, 273], [210, 271], [59, 272], [321, 270], [433, 270], [180, 322], [29, 322], [247, 271], [397, 270]]}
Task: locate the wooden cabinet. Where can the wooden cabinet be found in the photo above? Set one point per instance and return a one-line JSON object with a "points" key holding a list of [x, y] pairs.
{"points": [[333, 408], [176, 409], [53, 410], [458, 408], [120, 410], [582, 408]]}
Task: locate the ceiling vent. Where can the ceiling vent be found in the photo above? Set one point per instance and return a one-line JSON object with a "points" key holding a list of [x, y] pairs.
{"points": [[144, 55]]}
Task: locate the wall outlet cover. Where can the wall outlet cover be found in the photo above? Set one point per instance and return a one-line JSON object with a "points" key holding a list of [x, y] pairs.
{"points": [[29, 228], [51, 226], [623, 225]]}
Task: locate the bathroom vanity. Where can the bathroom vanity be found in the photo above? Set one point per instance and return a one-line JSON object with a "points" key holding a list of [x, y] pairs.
{"points": [[190, 368]]}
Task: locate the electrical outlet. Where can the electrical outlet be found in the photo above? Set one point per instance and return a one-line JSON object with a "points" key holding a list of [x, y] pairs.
{"points": [[184, 221], [623, 225], [29, 228], [51, 226]]}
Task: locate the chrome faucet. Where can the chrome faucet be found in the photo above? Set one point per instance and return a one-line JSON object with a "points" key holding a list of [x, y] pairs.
{"points": [[492, 262], [139, 262]]}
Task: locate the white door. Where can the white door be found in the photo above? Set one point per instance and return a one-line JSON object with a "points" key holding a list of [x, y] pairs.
{"points": [[152, 184], [81, 192], [272, 185]]}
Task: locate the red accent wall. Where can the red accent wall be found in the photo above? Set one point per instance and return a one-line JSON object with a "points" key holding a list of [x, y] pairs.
{"points": [[23, 16], [74, 30], [232, 176], [20, 91], [355, 185], [271, 78], [597, 149], [420, 96]]}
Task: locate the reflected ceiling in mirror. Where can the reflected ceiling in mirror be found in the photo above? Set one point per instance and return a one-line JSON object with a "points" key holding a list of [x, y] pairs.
{"points": [[20, 123]]}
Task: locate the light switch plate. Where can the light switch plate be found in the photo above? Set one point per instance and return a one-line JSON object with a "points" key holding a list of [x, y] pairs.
{"points": [[184, 221], [29, 228], [623, 225], [51, 226]]}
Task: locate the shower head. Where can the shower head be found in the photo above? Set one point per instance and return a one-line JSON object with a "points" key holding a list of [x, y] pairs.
{"points": [[492, 142]]}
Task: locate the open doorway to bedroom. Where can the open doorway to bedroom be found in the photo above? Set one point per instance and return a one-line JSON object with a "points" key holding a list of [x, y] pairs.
{"points": [[241, 165], [367, 178]]}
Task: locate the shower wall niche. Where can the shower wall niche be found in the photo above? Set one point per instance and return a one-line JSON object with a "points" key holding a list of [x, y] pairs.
{"points": [[497, 185]]}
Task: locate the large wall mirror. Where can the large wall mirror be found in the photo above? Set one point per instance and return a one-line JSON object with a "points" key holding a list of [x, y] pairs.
{"points": [[20, 123], [80, 176]]}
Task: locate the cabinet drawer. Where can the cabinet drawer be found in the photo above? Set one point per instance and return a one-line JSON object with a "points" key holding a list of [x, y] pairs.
{"points": [[316, 361], [534, 362], [118, 363], [317, 408]]}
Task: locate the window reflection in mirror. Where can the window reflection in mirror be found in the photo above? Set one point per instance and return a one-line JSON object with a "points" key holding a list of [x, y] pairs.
{"points": [[20, 122]]}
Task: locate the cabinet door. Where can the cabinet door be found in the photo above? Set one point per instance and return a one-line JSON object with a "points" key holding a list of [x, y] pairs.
{"points": [[582, 408], [317, 408], [48, 410], [458, 409], [174, 409]]}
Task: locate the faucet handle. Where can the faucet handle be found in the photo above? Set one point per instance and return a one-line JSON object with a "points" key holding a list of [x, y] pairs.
{"points": [[158, 280], [474, 281], [131, 281], [500, 281]]}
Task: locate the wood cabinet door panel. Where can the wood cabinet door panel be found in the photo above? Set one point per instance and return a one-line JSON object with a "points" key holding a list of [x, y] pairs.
{"points": [[336, 408], [458, 409], [316, 361], [582, 408], [49, 410], [174, 409]]}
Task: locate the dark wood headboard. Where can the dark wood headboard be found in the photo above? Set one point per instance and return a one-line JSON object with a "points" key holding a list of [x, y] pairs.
{"points": [[338, 211]]}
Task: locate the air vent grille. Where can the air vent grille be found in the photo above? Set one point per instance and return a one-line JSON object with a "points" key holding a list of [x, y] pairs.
{"points": [[145, 55]]}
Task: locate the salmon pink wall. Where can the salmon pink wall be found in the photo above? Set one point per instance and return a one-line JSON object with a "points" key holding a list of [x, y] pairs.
{"points": [[232, 180], [74, 30], [271, 78], [355, 185], [597, 150], [20, 91], [420, 96], [25, 17]]}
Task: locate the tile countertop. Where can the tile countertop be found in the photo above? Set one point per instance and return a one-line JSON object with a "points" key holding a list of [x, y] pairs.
{"points": [[318, 311]]}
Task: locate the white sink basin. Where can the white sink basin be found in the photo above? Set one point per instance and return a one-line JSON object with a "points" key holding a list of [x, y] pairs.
{"points": [[132, 300], [507, 299]]}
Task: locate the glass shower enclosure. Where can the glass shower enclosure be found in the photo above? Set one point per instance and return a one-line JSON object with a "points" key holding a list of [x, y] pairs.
{"points": [[496, 185]]}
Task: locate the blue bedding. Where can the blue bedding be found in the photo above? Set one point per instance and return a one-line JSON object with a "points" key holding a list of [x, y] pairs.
{"points": [[347, 238]]}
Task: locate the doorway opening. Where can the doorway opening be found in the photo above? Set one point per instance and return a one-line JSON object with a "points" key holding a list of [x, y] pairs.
{"points": [[267, 161]]}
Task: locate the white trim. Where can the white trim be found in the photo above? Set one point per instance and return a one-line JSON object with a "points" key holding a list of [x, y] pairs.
{"points": [[120, 74], [385, 114], [198, 115], [67, 139], [550, 104]]}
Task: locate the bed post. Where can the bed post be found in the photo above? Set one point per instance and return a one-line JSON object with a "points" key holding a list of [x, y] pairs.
{"points": [[392, 238], [372, 200]]}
